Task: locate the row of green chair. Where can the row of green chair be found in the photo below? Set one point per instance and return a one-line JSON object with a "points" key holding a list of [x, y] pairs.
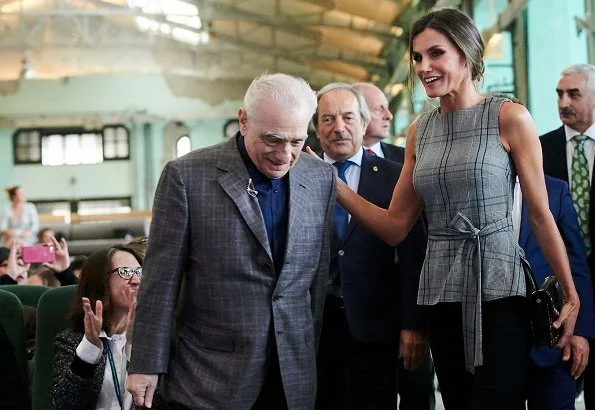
{"points": [[52, 309]]}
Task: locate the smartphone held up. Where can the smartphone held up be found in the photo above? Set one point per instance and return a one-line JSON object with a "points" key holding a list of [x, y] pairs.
{"points": [[38, 254]]}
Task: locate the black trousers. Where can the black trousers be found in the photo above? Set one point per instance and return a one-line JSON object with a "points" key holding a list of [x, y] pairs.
{"points": [[500, 383], [354, 375]]}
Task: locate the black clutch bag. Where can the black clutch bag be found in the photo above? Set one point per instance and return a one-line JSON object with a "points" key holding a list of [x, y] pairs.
{"points": [[545, 304]]}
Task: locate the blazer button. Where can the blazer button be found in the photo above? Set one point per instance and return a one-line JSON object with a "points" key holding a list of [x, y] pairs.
{"points": [[341, 252]]}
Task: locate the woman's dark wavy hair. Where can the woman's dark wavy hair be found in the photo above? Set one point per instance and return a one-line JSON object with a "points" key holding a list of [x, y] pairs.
{"points": [[93, 284], [460, 31]]}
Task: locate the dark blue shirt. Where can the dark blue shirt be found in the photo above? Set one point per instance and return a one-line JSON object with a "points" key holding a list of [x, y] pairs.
{"points": [[272, 198]]}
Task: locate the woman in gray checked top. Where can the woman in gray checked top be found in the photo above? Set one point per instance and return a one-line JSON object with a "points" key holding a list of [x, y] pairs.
{"points": [[460, 166]]}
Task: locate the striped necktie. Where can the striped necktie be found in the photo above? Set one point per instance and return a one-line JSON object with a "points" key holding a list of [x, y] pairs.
{"points": [[580, 187]]}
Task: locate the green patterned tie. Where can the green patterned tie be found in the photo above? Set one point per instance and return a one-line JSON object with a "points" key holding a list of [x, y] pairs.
{"points": [[580, 187]]}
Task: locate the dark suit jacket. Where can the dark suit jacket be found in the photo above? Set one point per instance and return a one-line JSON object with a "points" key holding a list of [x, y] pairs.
{"points": [[237, 311], [393, 152], [379, 287], [561, 207], [555, 164]]}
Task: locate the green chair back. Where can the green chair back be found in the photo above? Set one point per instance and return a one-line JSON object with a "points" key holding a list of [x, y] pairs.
{"points": [[52, 318], [28, 294], [11, 319]]}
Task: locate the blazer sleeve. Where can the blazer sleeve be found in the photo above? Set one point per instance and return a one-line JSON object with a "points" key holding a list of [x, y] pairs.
{"points": [[319, 285], [162, 271], [577, 255], [411, 253], [75, 384]]}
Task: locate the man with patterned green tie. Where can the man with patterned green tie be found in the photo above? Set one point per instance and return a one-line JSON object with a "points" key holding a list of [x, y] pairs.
{"points": [[568, 154]]}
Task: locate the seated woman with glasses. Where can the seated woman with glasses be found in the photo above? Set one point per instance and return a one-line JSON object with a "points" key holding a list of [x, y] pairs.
{"points": [[92, 355]]}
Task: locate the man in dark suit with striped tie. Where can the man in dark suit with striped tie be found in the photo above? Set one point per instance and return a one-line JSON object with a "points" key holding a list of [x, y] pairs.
{"points": [[568, 154], [379, 127], [371, 316]]}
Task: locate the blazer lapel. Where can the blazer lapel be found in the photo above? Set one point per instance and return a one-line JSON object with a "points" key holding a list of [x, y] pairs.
{"points": [[234, 181], [298, 197], [559, 145]]}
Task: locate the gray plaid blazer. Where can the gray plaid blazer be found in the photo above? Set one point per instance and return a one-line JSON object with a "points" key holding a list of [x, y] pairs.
{"points": [[206, 225]]}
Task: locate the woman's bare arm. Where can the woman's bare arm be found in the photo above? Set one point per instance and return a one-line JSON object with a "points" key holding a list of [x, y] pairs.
{"points": [[394, 223], [519, 135]]}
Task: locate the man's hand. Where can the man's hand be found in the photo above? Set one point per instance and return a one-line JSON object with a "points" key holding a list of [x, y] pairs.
{"points": [[142, 387], [131, 294], [578, 348], [413, 348], [61, 256]]}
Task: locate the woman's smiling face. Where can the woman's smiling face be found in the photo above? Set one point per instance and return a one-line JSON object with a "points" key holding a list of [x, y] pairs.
{"points": [[439, 64]]}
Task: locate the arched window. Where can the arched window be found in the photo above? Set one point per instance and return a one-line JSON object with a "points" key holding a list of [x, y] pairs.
{"points": [[183, 146]]}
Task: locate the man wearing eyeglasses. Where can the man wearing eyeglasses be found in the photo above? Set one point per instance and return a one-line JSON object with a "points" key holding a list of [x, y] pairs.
{"points": [[246, 222]]}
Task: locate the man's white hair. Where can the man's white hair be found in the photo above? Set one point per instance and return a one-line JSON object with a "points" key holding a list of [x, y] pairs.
{"points": [[284, 90], [587, 71]]}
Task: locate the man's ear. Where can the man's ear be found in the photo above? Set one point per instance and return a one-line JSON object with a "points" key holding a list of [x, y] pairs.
{"points": [[243, 120]]}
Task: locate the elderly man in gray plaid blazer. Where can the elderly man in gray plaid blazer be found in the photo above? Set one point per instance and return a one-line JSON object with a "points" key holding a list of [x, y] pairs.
{"points": [[247, 222]]}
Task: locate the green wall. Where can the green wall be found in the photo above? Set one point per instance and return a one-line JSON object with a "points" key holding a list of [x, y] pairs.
{"points": [[148, 105], [553, 45]]}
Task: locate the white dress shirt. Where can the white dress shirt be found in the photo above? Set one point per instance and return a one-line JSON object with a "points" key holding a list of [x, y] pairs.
{"points": [[517, 209], [90, 353], [377, 148], [352, 173], [589, 149]]}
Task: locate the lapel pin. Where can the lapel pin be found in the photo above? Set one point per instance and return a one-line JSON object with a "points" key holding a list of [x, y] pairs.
{"points": [[375, 168]]}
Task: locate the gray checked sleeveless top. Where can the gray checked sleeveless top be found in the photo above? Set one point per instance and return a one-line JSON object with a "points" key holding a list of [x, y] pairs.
{"points": [[465, 179]]}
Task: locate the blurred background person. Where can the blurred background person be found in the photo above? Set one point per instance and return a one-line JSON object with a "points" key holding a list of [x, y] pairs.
{"points": [[139, 245], [13, 270], [19, 219], [77, 264], [43, 277], [44, 235]]}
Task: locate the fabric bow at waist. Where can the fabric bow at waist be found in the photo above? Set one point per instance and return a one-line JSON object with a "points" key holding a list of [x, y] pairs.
{"points": [[461, 228]]}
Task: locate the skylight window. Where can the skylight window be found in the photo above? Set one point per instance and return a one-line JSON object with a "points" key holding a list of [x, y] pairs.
{"points": [[180, 13]]}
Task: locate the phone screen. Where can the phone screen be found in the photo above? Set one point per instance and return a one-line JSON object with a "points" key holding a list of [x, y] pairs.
{"points": [[38, 254]]}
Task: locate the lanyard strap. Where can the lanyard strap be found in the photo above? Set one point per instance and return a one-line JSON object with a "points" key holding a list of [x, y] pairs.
{"points": [[112, 365]]}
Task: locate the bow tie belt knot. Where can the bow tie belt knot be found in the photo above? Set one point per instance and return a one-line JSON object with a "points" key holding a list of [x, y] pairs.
{"points": [[461, 228]]}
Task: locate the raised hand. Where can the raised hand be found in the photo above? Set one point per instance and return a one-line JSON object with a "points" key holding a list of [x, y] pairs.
{"points": [[93, 321], [61, 257], [131, 293], [15, 267]]}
